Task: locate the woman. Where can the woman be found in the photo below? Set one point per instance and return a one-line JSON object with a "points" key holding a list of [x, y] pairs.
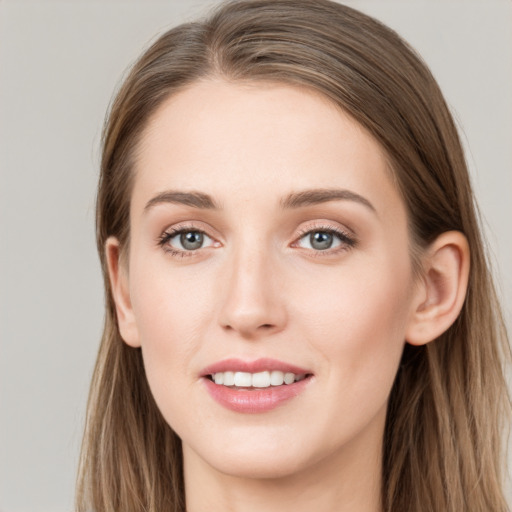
{"points": [[299, 309]]}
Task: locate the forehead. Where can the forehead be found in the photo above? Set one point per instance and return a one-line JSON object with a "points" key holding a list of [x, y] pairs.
{"points": [[243, 138]]}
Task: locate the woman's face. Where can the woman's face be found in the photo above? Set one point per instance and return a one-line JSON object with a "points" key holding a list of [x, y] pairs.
{"points": [[268, 242]]}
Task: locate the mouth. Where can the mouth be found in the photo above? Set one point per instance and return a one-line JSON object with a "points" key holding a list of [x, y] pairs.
{"points": [[253, 381], [254, 387]]}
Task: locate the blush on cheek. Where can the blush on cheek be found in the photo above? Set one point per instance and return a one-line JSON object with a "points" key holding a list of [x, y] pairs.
{"points": [[360, 325]]}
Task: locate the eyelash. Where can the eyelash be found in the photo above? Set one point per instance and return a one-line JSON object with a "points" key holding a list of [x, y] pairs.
{"points": [[166, 236], [347, 241]]}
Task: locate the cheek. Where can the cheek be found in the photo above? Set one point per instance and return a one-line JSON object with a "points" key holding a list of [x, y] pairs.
{"points": [[171, 316], [357, 320], [170, 307]]}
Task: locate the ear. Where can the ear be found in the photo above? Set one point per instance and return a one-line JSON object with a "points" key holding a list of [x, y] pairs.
{"points": [[119, 284], [441, 290]]}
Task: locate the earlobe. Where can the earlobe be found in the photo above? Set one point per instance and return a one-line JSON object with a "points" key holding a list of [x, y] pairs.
{"points": [[118, 275], [440, 294]]}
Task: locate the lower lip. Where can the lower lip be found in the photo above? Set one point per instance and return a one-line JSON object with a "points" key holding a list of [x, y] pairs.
{"points": [[254, 400]]}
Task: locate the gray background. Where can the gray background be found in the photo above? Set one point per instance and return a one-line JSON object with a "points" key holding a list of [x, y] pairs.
{"points": [[59, 64]]}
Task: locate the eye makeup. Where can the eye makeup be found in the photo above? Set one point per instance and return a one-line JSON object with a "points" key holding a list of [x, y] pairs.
{"points": [[191, 239], [319, 239], [325, 239]]}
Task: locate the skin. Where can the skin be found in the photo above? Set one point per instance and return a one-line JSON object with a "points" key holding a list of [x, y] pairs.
{"points": [[258, 288]]}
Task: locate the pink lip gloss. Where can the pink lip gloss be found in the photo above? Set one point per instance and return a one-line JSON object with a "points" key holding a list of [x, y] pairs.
{"points": [[254, 399]]}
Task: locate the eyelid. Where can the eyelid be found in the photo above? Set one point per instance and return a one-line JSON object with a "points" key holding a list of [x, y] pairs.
{"points": [[184, 227], [346, 236]]}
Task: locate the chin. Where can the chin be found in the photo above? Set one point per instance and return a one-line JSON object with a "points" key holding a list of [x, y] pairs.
{"points": [[255, 453], [258, 465]]}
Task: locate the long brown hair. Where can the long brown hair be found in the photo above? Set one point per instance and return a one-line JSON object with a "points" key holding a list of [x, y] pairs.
{"points": [[443, 437]]}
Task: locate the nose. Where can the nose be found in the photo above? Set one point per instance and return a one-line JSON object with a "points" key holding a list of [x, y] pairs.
{"points": [[253, 304]]}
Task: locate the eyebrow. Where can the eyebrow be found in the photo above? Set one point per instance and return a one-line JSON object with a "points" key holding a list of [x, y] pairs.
{"points": [[292, 201], [194, 199], [323, 195]]}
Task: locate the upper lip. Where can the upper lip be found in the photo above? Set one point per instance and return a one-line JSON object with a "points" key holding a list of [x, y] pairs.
{"points": [[255, 366]]}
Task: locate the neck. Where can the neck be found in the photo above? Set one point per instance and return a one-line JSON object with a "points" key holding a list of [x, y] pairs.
{"points": [[345, 481]]}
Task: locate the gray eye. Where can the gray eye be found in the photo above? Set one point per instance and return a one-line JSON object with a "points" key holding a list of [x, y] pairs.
{"points": [[321, 240], [191, 240]]}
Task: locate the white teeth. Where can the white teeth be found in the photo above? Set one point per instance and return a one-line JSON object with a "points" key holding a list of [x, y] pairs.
{"points": [[289, 378], [276, 378], [229, 378], [263, 379], [243, 380]]}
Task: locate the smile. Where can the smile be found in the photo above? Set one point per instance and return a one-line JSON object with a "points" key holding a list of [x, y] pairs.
{"points": [[254, 387], [259, 380]]}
